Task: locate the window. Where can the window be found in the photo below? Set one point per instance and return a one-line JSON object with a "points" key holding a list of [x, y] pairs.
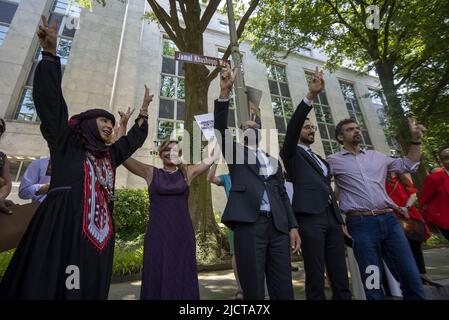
{"points": [[8, 9], [224, 26], [17, 166], [62, 11], [377, 101], [355, 112], [281, 101], [325, 121], [172, 95]]}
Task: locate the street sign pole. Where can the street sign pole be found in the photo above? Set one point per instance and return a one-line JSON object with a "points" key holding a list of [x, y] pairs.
{"points": [[239, 84]]}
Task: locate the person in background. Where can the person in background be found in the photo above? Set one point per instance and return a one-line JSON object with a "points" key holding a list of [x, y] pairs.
{"points": [[224, 181], [434, 199], [36, 180], [401, 190], [5, 178], [254, 113]]}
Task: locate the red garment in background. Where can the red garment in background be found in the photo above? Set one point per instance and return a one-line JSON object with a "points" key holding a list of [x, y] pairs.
{"points": [[399, 194], [434, 199]]}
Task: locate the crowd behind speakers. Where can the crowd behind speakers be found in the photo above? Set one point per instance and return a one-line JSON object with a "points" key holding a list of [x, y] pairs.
{"points": [[373, 208]]}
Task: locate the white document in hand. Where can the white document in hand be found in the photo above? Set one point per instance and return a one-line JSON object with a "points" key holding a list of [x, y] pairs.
{"points": [[206, 123]]}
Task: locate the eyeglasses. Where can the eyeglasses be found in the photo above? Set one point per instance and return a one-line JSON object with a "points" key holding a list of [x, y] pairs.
{"points": [[244, 127], [309, 127]]}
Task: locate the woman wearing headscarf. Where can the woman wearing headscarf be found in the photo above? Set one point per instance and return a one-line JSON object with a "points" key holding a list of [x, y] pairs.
{"points": [[67, 250]]}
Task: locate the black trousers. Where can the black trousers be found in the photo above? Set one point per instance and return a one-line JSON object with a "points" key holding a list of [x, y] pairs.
{"points": [[445, 233], [416, 247], [322, 245], [262, 251]]}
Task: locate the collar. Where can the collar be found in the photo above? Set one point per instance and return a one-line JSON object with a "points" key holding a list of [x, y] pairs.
{"points": [[345, 152], [307, 148]]}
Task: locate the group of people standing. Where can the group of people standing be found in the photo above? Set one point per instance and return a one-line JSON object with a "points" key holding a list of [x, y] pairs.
{"points": [[73, 227]]}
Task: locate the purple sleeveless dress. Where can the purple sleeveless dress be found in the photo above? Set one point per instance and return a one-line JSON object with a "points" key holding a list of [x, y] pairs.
{"points": [[169, 262]]}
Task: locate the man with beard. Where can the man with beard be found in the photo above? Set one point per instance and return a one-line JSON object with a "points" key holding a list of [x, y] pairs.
{"points": [[360, 177], [314, 203]]}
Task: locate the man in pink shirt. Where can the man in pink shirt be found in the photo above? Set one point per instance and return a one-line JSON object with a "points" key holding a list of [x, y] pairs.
{"points": [[360, 177]]}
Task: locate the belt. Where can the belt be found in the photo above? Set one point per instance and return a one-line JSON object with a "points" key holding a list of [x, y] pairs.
{"points": [[371, 213], [264, 213]]}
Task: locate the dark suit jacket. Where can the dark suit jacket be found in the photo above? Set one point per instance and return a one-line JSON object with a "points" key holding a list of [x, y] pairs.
{"points": [[248, 185], [311, 187]]}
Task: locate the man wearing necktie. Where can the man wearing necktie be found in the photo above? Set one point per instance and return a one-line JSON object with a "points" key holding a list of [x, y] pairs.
{"points": [[316, 210], [258, 208]]}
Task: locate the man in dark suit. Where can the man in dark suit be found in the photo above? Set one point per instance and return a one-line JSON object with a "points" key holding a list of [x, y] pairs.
{"points": [[314, 203], [253, 113], [258, 208]]}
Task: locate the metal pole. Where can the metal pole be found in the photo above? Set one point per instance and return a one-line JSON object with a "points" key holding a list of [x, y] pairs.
{"points": [[239, 85]]}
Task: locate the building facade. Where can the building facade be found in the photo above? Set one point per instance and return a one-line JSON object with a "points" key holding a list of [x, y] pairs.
{"points": [[109, 53]]}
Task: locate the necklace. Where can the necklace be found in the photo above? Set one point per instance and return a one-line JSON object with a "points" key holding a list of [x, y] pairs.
{"points": [[108, 183], [169, 171]]}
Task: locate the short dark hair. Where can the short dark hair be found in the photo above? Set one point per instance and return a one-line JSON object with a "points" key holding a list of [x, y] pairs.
{"points": [[440, 151], [339, 128]]}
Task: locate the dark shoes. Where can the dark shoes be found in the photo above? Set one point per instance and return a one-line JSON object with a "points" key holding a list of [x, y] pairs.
{"points": [[429, 282]]}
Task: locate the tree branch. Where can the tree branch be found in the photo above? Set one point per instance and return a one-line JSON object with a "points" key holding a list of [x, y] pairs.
{"points": [[164, 19], [409, 72], [176, 25], [387, 30], [183, 9], [252, 6], [208, 14], [362, 40], [436, 92]]}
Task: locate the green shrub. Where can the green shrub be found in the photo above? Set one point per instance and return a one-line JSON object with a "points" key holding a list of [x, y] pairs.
{"points": [[127, 262], [131, 213], [5, 258], [436, 241]]}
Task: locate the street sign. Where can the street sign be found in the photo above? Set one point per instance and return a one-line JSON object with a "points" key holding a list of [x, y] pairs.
{"points": [[205, 60]]}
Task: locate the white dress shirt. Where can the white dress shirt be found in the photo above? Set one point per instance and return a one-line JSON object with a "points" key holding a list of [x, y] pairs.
{"points": [[318, 161], [33, 179]]}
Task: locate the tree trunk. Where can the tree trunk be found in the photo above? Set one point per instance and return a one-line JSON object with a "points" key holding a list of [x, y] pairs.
{"points": [[200, 200], [396, 116]]}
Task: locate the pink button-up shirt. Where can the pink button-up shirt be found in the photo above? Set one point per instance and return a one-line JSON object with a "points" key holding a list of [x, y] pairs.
{"points": [[361, 178]]}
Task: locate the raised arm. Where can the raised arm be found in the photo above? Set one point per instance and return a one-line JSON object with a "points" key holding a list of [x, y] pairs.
{"points": [[140, 169], [195, 170], [47, 94], [221, 109], [299, 117], [416, 133], [211, 177], [126, 145]]}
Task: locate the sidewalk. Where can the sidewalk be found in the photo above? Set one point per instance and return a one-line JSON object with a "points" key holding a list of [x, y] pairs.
{"points": [[220, 285]]}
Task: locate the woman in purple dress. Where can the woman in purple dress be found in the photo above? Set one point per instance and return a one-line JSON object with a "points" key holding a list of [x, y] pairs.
{"points": [[169, 266]]}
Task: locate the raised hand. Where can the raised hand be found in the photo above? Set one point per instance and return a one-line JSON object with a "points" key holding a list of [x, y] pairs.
{"points": [[227, 79], [124, 116], [48, 35], [316, 85], [416, 130], [147, 99]]}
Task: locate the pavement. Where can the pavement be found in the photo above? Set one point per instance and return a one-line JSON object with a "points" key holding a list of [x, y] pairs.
{"points": [[220, 285]]}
